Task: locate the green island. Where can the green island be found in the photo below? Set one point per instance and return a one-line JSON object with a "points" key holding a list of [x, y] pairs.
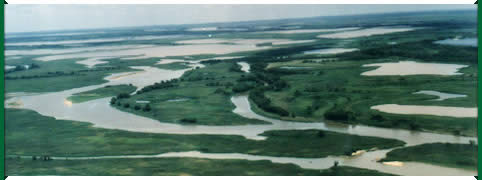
{"points": [[103, 92], [202, 95]]}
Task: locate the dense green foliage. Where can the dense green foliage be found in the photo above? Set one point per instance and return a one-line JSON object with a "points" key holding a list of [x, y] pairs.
{"points": [[173, 66], [201, 94], [103, 92], [22, 68], [257, 96]]}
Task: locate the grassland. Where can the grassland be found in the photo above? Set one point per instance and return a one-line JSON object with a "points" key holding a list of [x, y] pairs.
{"points": [[338, 85], [103, 92], [48, 136], [444, 154], [173, 167], [332, 84], [332, 88], [202, 95]]}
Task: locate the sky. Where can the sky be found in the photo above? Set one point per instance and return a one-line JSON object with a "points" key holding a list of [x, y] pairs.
{"points": [[29, 18]]}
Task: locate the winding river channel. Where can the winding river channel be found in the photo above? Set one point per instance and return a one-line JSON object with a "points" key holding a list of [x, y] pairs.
{"points": [[102, 115]]}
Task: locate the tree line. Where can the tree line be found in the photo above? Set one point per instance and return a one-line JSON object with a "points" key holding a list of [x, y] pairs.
{"points": [[60, 73]]}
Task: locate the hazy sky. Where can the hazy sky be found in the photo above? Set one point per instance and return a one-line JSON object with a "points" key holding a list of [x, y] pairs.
{"points": [[24, 18]]}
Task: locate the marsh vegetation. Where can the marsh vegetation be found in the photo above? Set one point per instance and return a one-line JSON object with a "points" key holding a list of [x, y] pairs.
{"points": [[303, 96]]}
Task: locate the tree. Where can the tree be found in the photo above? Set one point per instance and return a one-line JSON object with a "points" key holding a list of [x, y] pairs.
{"points": [[378, 117], [321, 134], [337, 114], [413, 126], [126, 105], [123, 95], [293, 115], [137, 107], [472, 142], [113, 100], [147, 108], [19, 68], [297, 93], [188, 120], [309, 110], [33, 65]]}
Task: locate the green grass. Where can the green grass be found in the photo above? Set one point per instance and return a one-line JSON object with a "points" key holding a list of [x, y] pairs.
{"points": [[173, 167], [444, 154], [200, 100], [29, 133], [103, 92], [340, 83]]}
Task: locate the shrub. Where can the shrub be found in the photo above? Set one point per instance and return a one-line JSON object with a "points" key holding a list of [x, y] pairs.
{"points": [[147, 108], [413, 126], [123, 95], [264, 103], [113, 100], [378, 117], [188, 120], [337, 114], [241, 87], [297, 93], [320, 134]]}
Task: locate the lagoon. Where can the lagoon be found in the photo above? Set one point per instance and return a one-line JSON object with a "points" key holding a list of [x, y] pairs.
{"points": [[459, 112], [404, 68]]}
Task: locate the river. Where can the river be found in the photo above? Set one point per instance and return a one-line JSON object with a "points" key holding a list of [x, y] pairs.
{"points": [[102, 115]]}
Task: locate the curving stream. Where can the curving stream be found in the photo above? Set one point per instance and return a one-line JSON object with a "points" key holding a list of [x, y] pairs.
{"points": [[102, 115]]}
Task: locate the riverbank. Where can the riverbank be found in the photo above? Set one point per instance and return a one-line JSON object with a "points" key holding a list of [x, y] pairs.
{"points": [[48, 136]]}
